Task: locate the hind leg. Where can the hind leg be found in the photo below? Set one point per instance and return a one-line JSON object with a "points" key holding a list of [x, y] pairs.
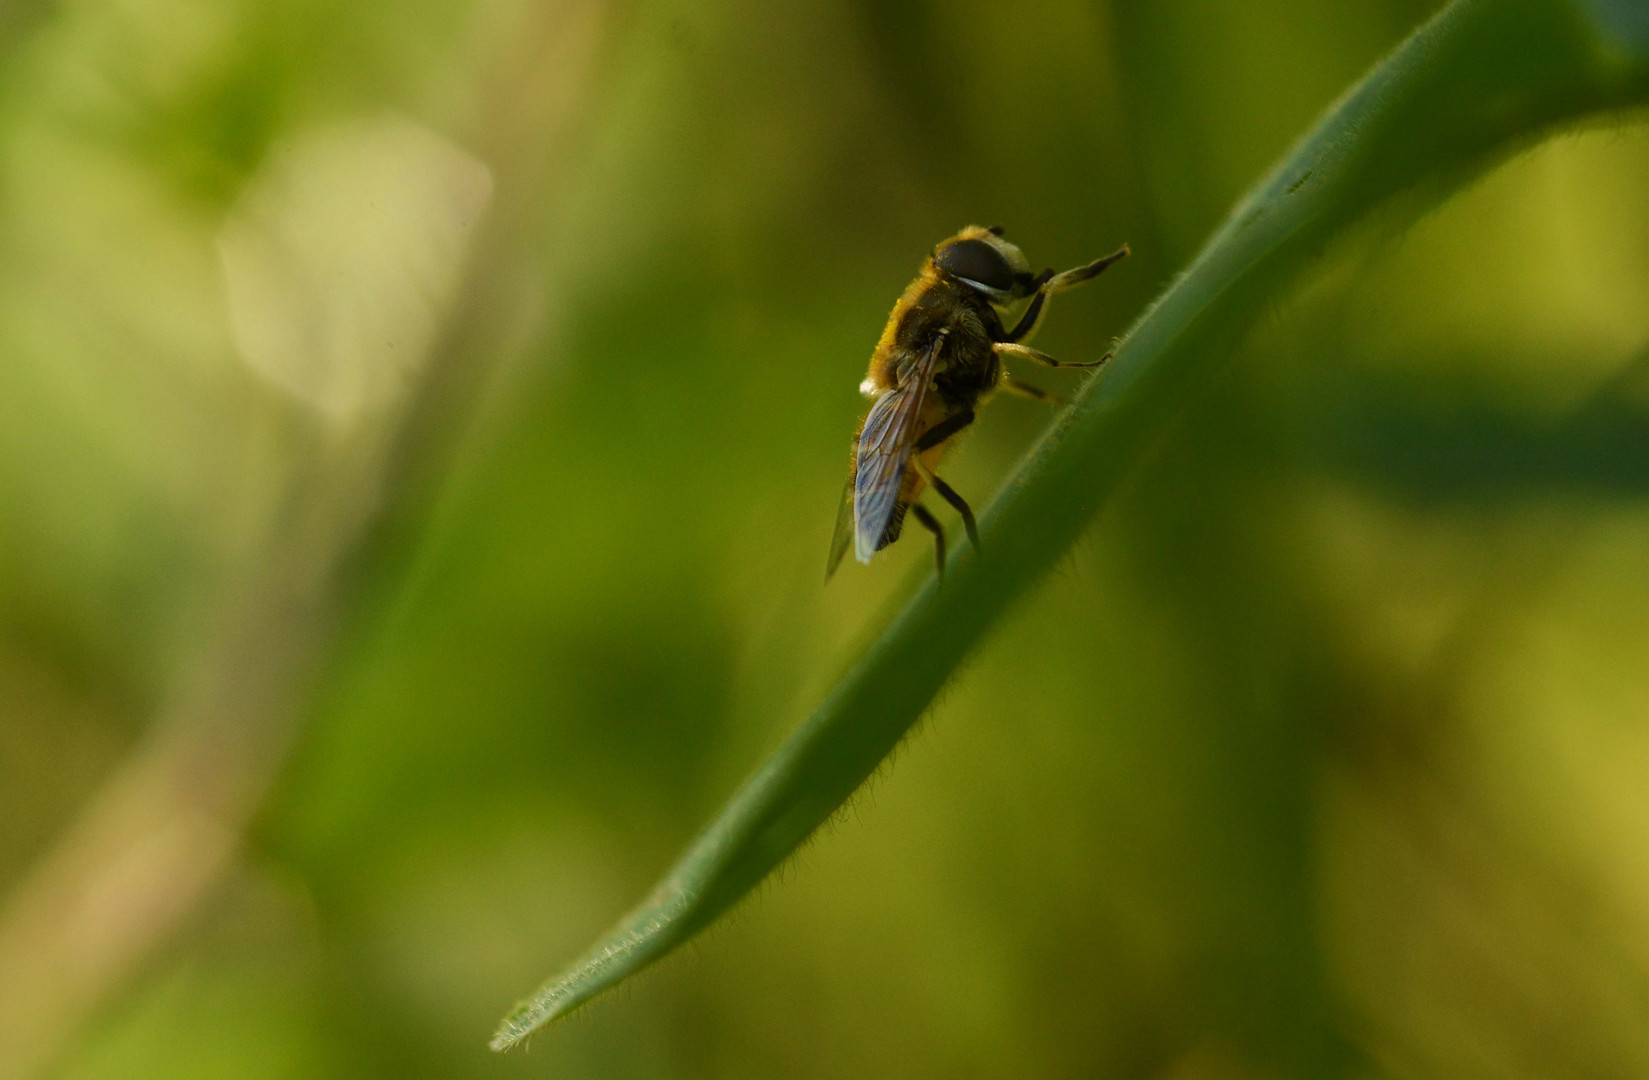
{"points": [[949, 494], [931, 524]]}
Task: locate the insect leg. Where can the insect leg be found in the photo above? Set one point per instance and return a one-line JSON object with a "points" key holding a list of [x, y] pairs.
{"points": [[943, 430], [1035, 393], [949, 494], [1070, 279], [1053, 283], [1027, 323], [1006, 349], [931, 523]]}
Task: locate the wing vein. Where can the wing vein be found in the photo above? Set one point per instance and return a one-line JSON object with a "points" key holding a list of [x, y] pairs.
{"points": [[884, 451]]}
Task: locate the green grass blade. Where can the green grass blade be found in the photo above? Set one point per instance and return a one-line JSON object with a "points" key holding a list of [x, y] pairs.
{"points": [[1480, 80]]}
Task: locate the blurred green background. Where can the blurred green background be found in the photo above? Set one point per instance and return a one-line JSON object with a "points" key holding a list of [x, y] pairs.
{"points": [[421, 427]]}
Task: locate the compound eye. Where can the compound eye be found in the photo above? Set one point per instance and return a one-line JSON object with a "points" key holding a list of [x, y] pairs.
{"points": [[977, 262]]}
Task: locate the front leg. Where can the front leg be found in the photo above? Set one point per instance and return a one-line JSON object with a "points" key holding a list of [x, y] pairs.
{"points": [[1049, 283]]}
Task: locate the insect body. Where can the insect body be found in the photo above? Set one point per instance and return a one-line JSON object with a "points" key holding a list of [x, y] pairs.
{"points": [[939, 358]]}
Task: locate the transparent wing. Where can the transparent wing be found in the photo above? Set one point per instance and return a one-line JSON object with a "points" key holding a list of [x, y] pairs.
{"points": [[844, 530], [884, 451]]}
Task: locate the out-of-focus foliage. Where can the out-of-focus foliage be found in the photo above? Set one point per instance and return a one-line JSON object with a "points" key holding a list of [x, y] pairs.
{"points": [[1326, 745]]}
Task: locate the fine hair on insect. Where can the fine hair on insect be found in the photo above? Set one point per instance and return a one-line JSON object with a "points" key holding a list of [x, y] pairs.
{"points": [[940, 357]]}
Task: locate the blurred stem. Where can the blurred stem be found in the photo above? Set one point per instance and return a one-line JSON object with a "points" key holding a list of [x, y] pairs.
{"points": [[166, 827], [152, 844], [1479, 81]]}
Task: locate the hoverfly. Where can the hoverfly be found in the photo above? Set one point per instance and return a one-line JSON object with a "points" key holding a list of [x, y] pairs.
{"points": [[938, 359]]}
